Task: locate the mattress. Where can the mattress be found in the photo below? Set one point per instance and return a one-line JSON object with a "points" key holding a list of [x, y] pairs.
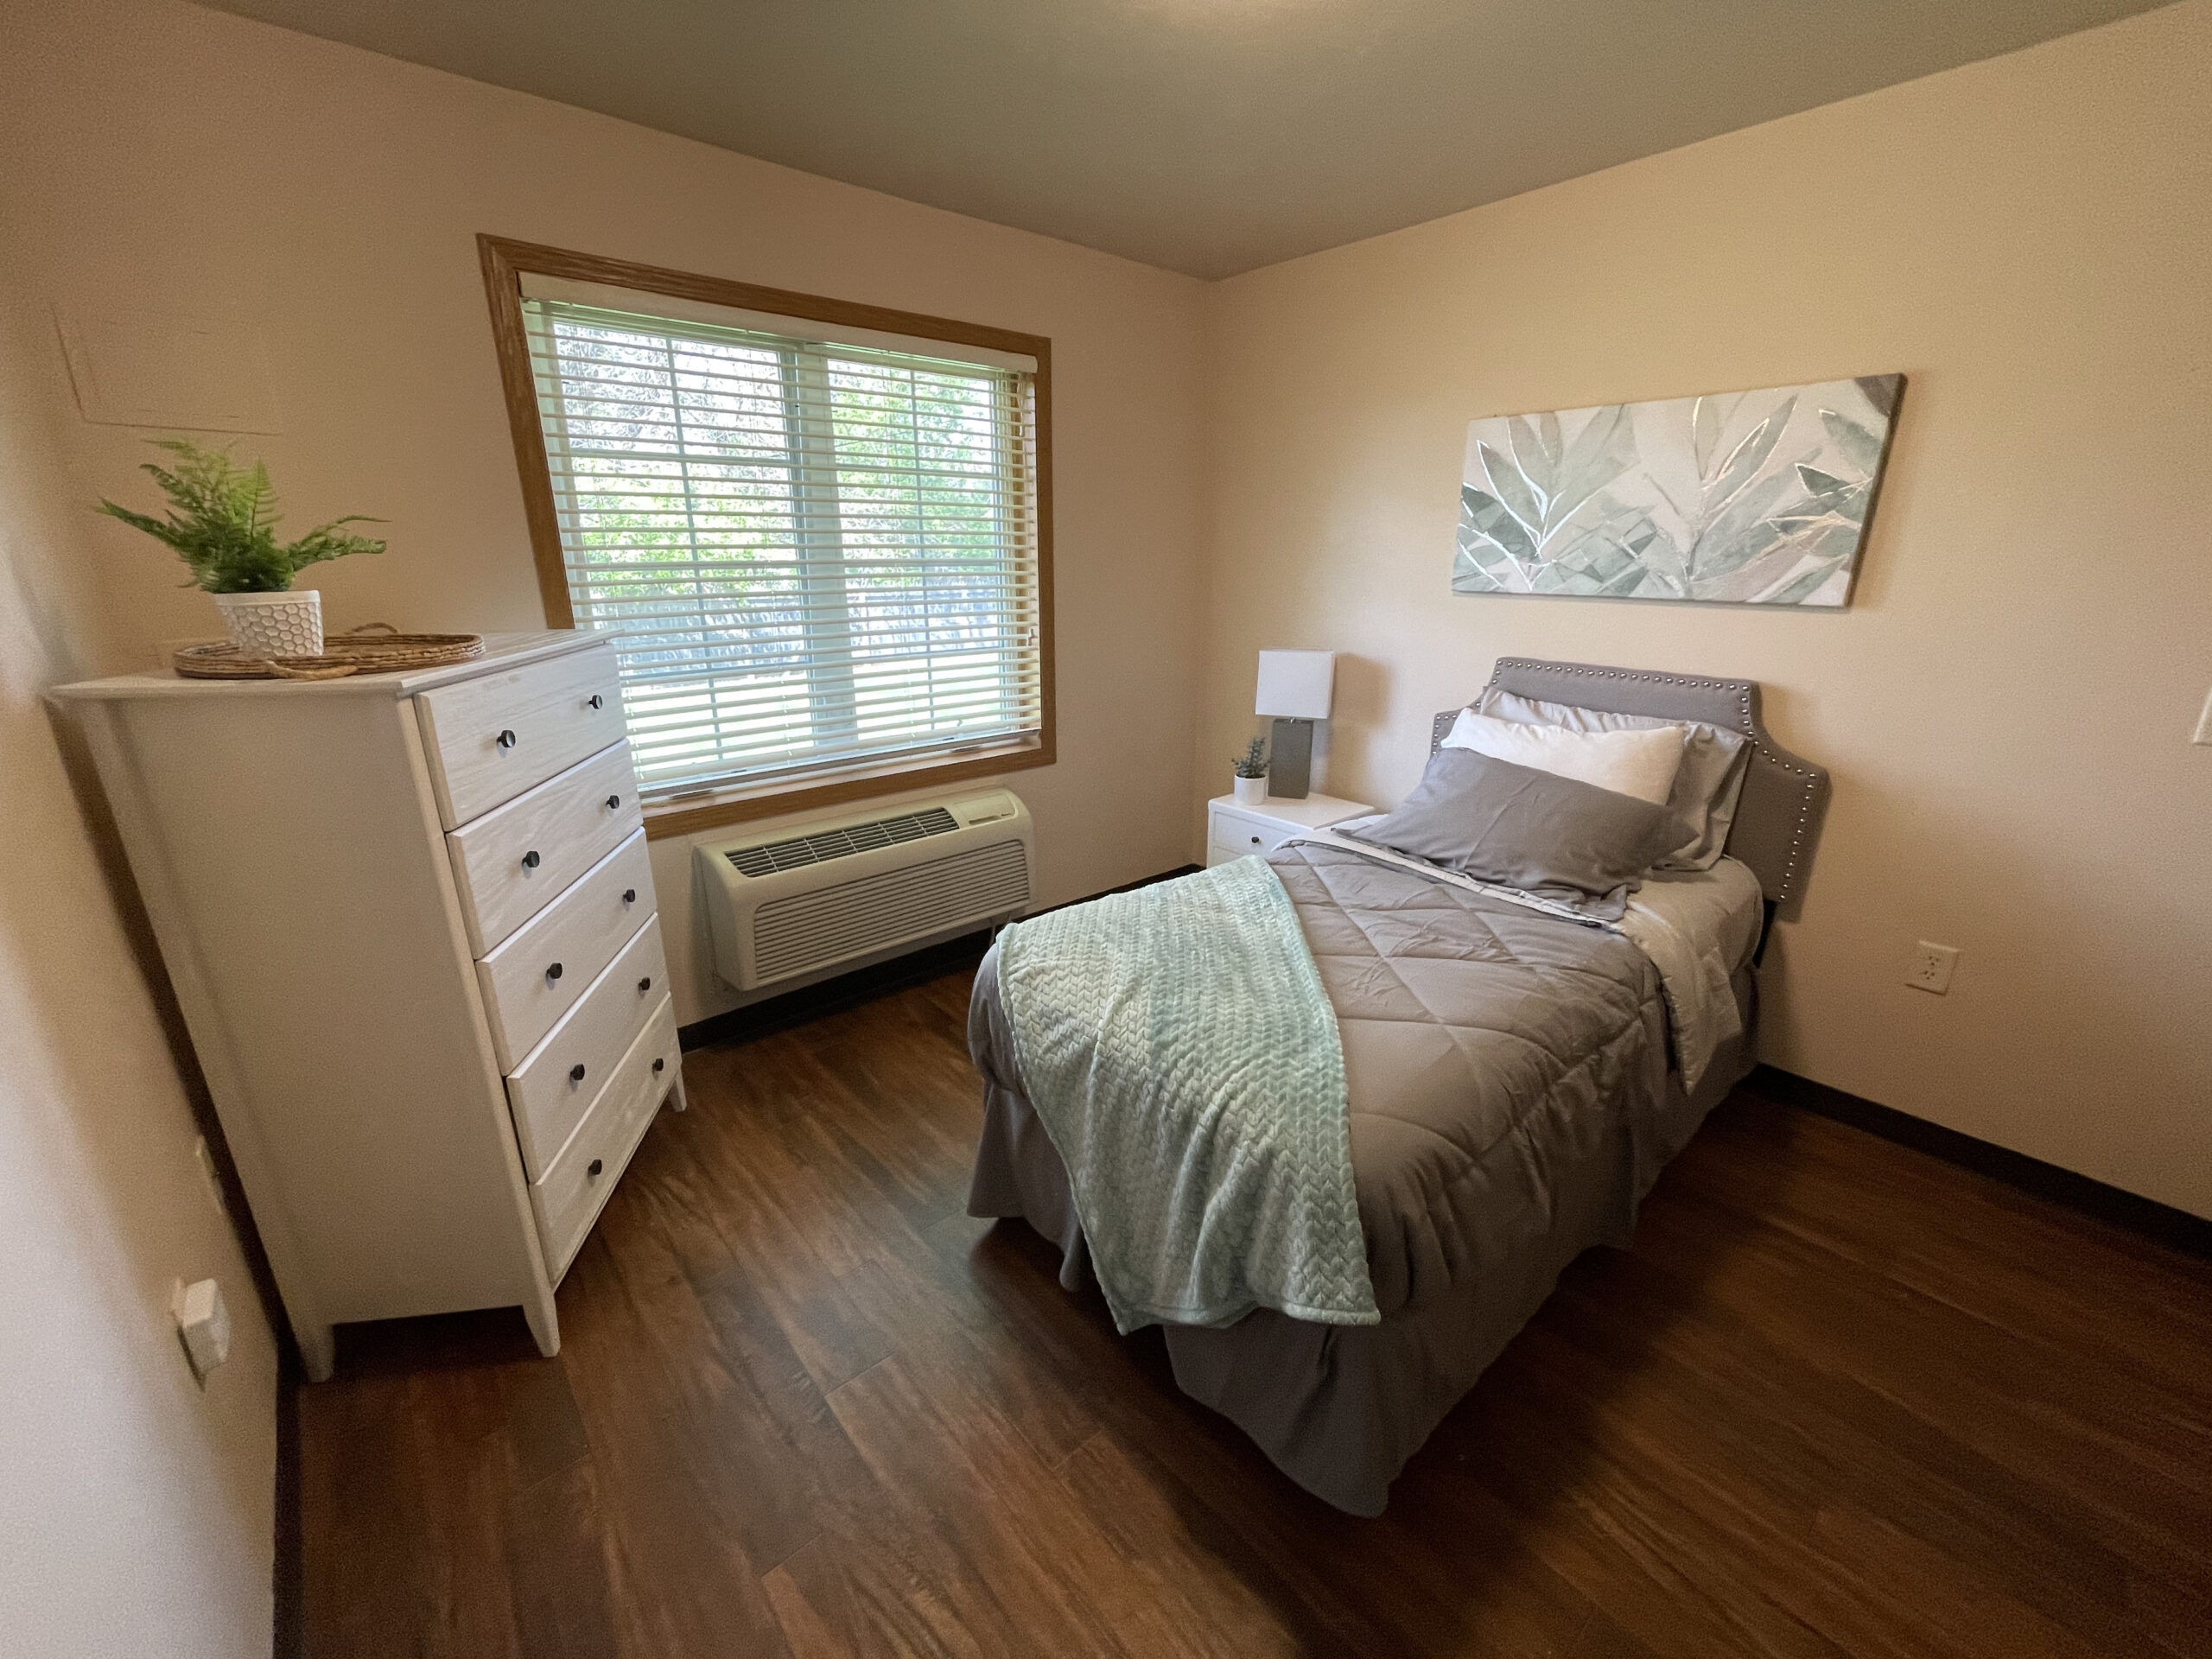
{"points": [[1512, 1101]]}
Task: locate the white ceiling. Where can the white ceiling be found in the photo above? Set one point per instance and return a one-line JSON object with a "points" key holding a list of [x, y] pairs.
{"points": [[1205, 136]]}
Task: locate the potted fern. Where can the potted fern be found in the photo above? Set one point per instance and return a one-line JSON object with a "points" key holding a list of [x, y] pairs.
{"points": [[1252, 773], [222, 522]]}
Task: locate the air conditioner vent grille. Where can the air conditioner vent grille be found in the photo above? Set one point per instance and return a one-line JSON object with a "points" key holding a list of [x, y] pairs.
{"points": [[801, 850], [812, 930]]}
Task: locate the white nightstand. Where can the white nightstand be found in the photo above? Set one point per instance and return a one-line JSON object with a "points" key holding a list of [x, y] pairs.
{"points": [[1233, 830]]}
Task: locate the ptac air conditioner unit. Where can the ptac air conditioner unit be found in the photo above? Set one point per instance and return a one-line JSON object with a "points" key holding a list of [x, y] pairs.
{"points": [[809, 899]]}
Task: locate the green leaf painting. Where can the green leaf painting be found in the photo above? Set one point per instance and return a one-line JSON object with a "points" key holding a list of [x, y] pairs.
{"points": [[1748, 498]]}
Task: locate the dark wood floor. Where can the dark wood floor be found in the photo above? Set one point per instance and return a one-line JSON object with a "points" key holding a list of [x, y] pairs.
{"points": [[1840, 1398]]}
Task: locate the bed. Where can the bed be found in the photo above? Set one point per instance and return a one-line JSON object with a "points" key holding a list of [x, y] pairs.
{"points": [[1514, 1088]]}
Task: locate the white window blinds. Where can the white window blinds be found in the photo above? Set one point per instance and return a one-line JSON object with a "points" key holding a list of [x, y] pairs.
{"points": [[814, 554]]}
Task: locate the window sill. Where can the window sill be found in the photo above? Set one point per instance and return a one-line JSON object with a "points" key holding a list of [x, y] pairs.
{"points": [[688, 817]]}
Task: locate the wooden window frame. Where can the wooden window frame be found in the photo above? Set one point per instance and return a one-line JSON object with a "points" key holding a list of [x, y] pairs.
{"points": [[505, 261]]}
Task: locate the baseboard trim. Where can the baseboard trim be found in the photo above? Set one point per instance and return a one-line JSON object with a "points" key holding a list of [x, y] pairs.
{"points": [[2161, 1223], [287, 1577], [828, 996]]}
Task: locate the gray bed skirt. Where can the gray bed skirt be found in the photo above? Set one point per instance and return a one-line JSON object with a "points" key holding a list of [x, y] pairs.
{"points": [[1338, 1408]]}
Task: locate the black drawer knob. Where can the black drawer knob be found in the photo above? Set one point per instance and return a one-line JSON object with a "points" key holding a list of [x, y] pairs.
{"points": [[594, 700], [629, 895], [576, 1073], [613, 801], [593, 1168], [646, 983], [553, 972], [530, 860], [506, 739], [1255, 841], [659, 1065]]}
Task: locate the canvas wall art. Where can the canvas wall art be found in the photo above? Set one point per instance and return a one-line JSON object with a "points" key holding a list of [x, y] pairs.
{"points": [[1741, 498]]}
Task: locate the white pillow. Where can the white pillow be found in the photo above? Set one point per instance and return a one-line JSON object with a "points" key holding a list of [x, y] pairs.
{"points": [[1642, 764]]}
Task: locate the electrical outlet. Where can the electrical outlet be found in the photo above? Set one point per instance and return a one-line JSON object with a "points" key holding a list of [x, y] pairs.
{"points": [[1931, 966], [203, 1324]]}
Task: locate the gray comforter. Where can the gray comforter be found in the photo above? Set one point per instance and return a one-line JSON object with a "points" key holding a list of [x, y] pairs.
{"points": [[1510, 1104]]}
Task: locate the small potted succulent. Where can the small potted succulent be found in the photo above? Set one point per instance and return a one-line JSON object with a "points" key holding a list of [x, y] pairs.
{"points": [[1252, 773], [222, 522]]}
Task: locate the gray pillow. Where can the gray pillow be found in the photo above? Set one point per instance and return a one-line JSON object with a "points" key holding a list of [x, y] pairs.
{"points": [[1557, 837], [1707, 785]]}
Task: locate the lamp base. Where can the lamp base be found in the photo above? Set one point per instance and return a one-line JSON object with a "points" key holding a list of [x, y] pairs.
{"points": [[1290, 760]]}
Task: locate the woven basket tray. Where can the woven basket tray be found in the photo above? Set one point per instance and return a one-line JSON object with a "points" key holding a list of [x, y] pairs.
{"points": [[374, 649]]}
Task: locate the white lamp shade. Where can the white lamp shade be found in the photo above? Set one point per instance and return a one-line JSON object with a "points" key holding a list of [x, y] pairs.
{"points": [[1297, 684]]}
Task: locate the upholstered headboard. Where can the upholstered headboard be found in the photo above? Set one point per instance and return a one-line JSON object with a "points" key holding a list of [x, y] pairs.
{"points": [[1777, 818]]}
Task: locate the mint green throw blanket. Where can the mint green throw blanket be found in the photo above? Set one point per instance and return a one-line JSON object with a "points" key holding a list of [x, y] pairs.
{"points": [[1182, 1055]]}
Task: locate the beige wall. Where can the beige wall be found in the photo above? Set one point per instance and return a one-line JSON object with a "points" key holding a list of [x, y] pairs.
{"points": [[2006, 706], [164, 158], [134, 1508]]}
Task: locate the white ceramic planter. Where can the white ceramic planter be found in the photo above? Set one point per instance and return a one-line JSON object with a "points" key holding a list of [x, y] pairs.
{"points": [[1251, 791], [274, 625]]}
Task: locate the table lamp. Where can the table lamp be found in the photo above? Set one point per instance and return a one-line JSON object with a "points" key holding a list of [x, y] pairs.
{"points": [[1296, 687]]}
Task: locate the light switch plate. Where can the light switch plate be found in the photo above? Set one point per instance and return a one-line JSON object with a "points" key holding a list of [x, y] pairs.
{"points": [[204, 1156], [2204, 722]]}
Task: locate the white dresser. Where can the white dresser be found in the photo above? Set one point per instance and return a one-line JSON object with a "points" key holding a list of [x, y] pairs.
{"points": [[410, 923]]}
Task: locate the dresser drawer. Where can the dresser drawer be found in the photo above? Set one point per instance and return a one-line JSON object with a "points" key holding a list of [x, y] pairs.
{"points": [[1236, 833], [546, 964], [492, 738], [569, 1197], [513, 861], [553, 1088]]}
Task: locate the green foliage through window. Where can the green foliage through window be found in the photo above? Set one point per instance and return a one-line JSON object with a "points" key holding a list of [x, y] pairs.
{"points": [[809, 554]]}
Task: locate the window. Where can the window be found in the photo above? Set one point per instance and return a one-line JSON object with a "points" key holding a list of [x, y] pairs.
{"points": [[818, 540]]}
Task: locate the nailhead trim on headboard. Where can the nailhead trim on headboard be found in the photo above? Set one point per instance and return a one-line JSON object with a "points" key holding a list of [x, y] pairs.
{"points": [[1746, 722]]}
